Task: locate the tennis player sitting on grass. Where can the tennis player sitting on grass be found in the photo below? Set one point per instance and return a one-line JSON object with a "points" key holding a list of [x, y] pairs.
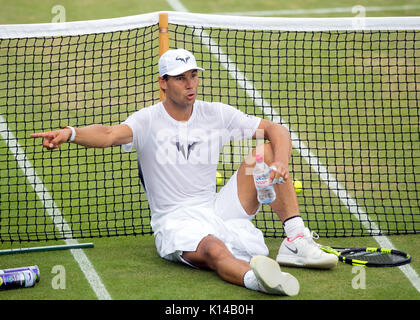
{"points": [[178, 142]]}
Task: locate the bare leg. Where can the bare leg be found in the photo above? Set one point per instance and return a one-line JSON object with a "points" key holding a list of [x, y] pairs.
{"points": [[286, 203], [285, 206], [212, 253]]}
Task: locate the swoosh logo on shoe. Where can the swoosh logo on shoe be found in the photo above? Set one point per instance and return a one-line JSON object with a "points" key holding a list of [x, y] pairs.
{"points": [[295, 251]]}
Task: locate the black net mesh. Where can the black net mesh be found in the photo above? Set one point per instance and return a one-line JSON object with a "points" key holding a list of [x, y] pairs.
{"points": [[349, 99]]}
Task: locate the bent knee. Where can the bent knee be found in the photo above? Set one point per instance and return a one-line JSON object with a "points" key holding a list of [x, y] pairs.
{"points": [[214, 251], [209, 252], [266, 150]]}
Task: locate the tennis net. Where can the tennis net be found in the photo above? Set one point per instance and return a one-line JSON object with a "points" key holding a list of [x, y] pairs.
{"points": [[347, 90]]}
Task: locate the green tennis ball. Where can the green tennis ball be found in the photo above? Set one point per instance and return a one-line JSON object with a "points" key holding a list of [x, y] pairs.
{"points": [[298, 186], [219, 178]]}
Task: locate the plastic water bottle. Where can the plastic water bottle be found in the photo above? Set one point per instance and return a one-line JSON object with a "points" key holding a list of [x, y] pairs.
{"points": [[265, 190]]}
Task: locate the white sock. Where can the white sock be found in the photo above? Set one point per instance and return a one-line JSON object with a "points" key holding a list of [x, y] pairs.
{"points": [[294, 226], [251, 282]]}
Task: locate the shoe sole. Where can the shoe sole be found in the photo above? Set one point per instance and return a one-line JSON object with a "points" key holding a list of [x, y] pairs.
{"points": [[291, 261], [268, 272]]}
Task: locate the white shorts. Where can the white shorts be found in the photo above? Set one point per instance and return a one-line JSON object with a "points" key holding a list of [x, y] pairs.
{"points": [[225, 219]]}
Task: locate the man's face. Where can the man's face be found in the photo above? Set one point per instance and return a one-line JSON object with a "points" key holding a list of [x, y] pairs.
{"points": [[181, 89]]}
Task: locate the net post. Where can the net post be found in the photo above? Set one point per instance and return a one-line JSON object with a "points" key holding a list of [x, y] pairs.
{"points": [[163, 40], [47, 248]]}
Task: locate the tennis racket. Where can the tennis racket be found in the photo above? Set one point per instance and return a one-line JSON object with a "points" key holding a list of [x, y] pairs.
{"points": [[369, 257]]}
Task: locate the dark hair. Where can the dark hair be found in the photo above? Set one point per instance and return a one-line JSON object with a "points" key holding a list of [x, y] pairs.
{"points": [[165, 77]]}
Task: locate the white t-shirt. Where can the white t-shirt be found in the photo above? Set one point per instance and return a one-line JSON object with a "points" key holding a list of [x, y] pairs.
{"points": [[178, 160]]}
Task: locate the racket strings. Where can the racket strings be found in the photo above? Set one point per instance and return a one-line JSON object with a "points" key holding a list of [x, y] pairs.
{"points": [[375, 257]]}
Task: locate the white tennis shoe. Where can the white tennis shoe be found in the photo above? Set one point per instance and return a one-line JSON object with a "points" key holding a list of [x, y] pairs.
{"points": [[303, 251], [271, 279]]}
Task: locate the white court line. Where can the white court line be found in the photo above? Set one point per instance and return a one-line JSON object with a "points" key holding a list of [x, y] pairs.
{"points": [[52, 210], [319, 11], [336, 187]]}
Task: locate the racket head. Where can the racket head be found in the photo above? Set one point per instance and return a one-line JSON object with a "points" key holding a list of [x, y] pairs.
{"points": [[370, 257]]}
